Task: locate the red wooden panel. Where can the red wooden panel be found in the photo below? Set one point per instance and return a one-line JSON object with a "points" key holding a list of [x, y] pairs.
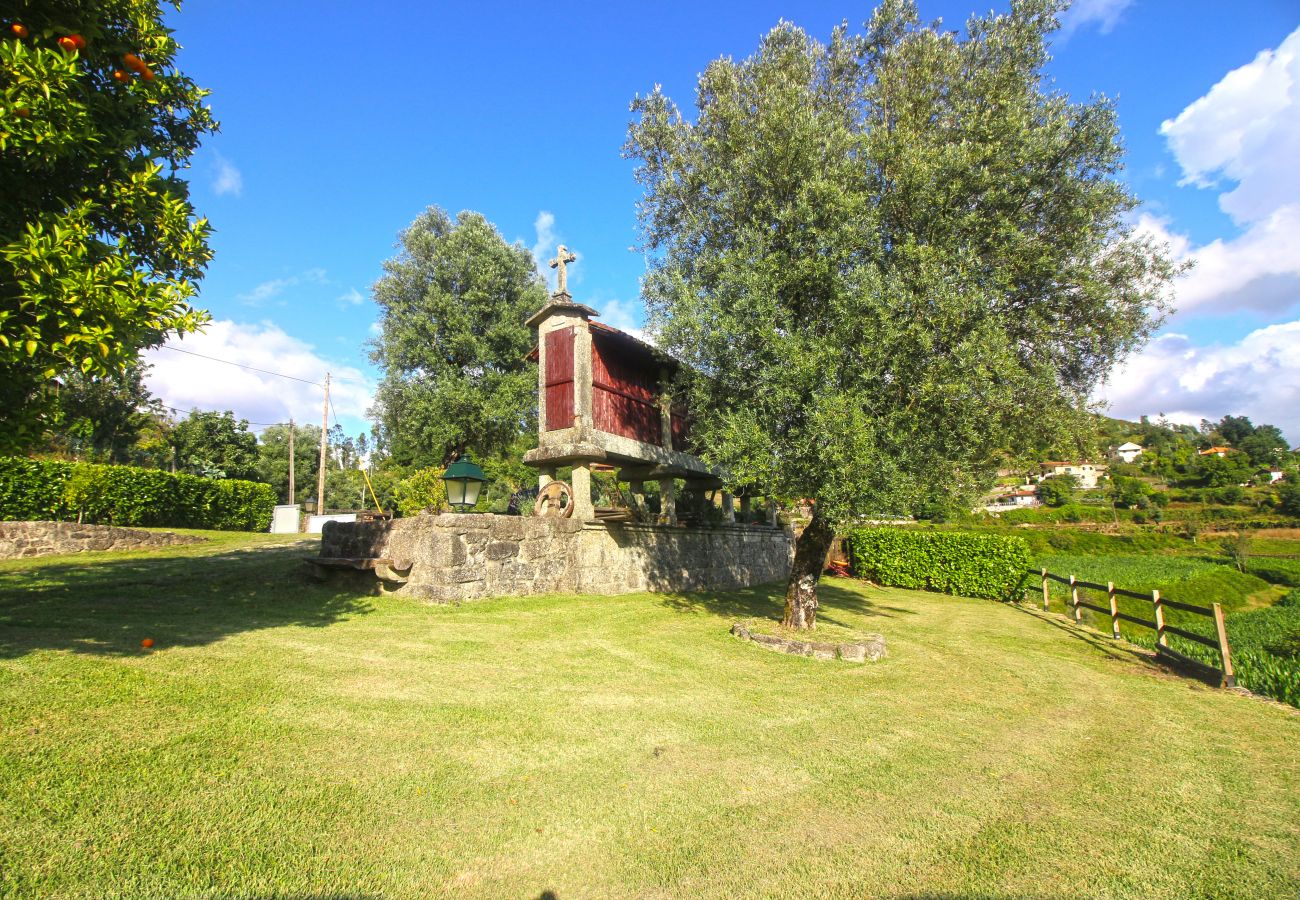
{"points": [[625, 388], [559, 379]]}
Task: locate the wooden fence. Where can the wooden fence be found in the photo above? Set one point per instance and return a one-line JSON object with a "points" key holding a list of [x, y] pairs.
{"points": [[1157, 624]]}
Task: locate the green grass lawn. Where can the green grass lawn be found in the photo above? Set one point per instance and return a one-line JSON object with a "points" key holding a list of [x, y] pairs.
{"points": [[293, 739]]}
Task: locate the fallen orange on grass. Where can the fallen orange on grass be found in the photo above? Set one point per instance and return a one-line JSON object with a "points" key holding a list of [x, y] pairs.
{"points": [[147, 643]]}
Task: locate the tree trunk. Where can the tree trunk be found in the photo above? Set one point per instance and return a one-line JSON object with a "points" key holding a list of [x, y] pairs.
{"points": [[809, 560]]}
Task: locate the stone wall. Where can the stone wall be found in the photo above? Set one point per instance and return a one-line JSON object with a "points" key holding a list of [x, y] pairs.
{"points": [[464, 557], [20, 539]]}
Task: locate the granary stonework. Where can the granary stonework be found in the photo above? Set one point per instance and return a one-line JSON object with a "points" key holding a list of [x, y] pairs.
{"points": [[22, 539], [449, 558]]}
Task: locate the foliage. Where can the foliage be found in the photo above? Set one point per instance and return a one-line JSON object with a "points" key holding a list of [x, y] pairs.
{"points": [[893, 245], [453, 304], [972, 565], [1288, 496], [124, 495], [215, 445], [1057, 490], [273, 459], [109, 418], [1237, 548], [1231, 469], [1277, 571], [100, 249], [421, 490]]}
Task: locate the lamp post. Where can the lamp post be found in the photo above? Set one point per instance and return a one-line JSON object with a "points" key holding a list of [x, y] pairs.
{"points": [[463, 479]]}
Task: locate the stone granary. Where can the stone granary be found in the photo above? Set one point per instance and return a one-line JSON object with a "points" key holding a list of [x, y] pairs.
{"points": [[603, 402]]}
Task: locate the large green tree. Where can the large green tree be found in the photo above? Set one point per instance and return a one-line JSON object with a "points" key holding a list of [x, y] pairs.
{"points": [[110, 418], [215, 445], [453, 303], [100, 248], [886, 258]]}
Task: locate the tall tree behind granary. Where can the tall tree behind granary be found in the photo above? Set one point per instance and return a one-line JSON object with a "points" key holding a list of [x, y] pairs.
{"points": [[887, 258], [453, 303]]}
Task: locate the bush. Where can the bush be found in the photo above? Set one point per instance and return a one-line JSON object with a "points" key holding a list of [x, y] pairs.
{"points": [[421, 490], [973, 565], [124, 495]]}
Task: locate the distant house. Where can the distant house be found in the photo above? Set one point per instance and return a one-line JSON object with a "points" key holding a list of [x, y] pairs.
{"points": [[1086, 473], [1127, 452], [1216, 451], [1275, 475], [1014, 499]]}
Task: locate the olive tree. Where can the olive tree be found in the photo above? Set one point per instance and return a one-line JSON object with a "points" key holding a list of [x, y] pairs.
{"points": [[886, 259], [100, 248]]}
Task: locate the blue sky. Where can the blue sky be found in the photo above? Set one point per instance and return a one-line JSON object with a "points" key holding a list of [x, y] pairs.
{"points": [[341, 123]]}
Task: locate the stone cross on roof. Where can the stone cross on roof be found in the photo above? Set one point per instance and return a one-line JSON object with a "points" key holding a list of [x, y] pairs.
{"points": [[562, 255]]}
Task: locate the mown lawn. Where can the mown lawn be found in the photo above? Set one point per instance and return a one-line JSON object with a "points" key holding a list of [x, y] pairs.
{"points": [[292, 739]]}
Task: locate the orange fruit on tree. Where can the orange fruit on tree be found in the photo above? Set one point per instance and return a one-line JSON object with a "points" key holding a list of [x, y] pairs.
{"points": [[146, 73], [119, 75], [22, 112], [79, 41], [19, 29], [133, 62], [67, 43]]}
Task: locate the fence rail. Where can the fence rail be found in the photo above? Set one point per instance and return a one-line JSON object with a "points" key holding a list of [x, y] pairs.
{"points": [[1156, 624]]}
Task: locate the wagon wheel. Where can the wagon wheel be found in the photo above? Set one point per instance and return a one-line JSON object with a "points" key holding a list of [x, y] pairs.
{"points": [[554, 501]]}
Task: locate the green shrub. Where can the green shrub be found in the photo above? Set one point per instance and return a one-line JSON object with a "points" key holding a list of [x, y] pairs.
{"points": [[950, 562], [124, 495], [421, 490]]}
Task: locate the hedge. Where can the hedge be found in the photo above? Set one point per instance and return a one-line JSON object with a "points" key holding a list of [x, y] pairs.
{"points": [[33, 489], [950, 562]]}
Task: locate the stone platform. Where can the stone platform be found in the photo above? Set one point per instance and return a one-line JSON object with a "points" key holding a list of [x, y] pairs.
{"points": [[23, 539], [453, 557]]}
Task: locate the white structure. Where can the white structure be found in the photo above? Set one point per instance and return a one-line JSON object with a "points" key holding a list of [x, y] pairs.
{"points": [[286, 519], [1275, 475], [1085, 473], [1128, 452], [316, 523]]}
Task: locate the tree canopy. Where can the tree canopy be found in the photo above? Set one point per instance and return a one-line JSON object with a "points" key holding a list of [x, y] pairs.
{"points": [[100, 248], [453, 303], [215, 445], [902, 248]]}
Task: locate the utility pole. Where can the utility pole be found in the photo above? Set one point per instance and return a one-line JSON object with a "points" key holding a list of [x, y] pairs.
{"points": [[324, 444], [291, 428]]}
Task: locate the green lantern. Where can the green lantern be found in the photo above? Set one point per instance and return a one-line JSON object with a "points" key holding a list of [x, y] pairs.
{"points": [[464, 480]]}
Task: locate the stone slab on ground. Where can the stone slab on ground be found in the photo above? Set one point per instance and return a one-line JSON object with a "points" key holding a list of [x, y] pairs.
{"points": [[23, 539], [872, 648]]}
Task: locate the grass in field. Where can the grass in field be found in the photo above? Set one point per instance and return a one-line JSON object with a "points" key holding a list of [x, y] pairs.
{"points": [[286, 738]]}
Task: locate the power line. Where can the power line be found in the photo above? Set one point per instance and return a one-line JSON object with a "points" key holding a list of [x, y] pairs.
{"points": [[242, 366]]}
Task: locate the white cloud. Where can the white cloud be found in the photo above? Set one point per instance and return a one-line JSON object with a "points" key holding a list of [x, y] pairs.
{"points": [[351, 297], [544, 245], [186, 382], [1106, 13], [1243, 136], [227, 179], [276, 286], [626, 316], [1259, 376], [1246, 130]]}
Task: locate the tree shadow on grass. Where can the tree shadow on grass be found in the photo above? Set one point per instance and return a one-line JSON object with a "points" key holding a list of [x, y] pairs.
{"points": [[768, 601], [177, 598]]}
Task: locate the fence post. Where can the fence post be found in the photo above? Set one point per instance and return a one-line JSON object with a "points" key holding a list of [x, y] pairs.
{"points": [[1114, 609], [1229, 679], [1044, 590], [1160, 620], [1074, 601]]}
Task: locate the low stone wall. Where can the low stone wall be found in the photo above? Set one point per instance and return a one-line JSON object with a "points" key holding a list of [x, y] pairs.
{"points": [[465, 557], [21, 539]]}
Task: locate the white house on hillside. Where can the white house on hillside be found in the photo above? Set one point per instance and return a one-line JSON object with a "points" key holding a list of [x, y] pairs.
{"points": [[1085, 473], [1127, 452]]}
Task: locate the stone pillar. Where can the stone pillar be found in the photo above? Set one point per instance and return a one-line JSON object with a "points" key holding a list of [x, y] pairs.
{"points": [[583, 509], [637, 490], [771, 510], [665, 412], [728, 508], [667, 501], [745, 507], [545, 475], [582, 386]]}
